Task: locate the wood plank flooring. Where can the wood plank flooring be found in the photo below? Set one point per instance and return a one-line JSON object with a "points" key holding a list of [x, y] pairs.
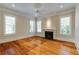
{"points": [[37, 46]]}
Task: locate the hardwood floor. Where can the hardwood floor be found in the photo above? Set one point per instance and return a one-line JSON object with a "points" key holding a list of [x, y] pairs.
{"points": [[37, 46]]}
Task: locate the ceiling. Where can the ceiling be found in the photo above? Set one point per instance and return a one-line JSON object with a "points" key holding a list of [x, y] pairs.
{"points": [[45, 8]]}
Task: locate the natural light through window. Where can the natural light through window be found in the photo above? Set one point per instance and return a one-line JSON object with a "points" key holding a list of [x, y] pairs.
{"points": [[32, 26], [9, 25], [65, 25], [39, 25]]}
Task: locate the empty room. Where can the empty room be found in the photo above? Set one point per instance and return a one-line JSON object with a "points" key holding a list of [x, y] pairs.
{"points": [[39, 29]]}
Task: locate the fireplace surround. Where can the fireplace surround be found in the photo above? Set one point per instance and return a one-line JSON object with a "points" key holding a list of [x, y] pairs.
{"points": [[49, 35]]}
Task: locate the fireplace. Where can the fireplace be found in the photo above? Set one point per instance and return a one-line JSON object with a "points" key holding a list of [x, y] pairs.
{"points": [[49, 34]]}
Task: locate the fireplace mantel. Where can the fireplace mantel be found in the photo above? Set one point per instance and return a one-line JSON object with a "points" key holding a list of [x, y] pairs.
{"points": [[52, 30]]}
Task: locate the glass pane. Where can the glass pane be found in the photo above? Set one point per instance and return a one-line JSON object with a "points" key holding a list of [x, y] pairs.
{"points": [[9, 25], [65, 26], [39, 26], [32, 25]]}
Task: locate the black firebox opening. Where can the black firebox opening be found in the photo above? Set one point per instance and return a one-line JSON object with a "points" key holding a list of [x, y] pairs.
{"points": [[48, 34]]}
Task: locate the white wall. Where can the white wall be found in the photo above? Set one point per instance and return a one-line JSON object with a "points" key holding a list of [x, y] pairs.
{"points": [[77, 27], [22, 25], [69, 38], [54, 23]]}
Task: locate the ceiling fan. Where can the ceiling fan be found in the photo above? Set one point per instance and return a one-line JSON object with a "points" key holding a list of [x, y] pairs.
{"points": [[37, 9]]}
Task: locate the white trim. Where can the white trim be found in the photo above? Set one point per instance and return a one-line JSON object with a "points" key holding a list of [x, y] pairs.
{"points": [[65, 39], [5, 25], [14, 39], [67, 15]]}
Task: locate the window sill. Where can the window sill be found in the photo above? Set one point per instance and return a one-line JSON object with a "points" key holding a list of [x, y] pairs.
{"points": [[9, 34]]}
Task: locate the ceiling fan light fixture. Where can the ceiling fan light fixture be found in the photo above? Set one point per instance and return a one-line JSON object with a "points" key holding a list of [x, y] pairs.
{"points": [[61, 6], [13, 5], [36, 8]]}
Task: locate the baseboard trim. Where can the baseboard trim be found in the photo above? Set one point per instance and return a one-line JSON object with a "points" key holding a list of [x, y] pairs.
{"points": [[63, 41], [14, 39], [31, 36], [58, 40]]}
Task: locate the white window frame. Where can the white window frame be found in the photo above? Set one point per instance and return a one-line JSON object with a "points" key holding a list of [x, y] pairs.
{"points": [[37, 26], [70, 24], [5, 25], [33, 29]]}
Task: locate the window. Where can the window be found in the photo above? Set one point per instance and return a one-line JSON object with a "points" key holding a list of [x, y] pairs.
{"points": [[32, 26], [39, 25], [65, 25], [9, 25]]}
